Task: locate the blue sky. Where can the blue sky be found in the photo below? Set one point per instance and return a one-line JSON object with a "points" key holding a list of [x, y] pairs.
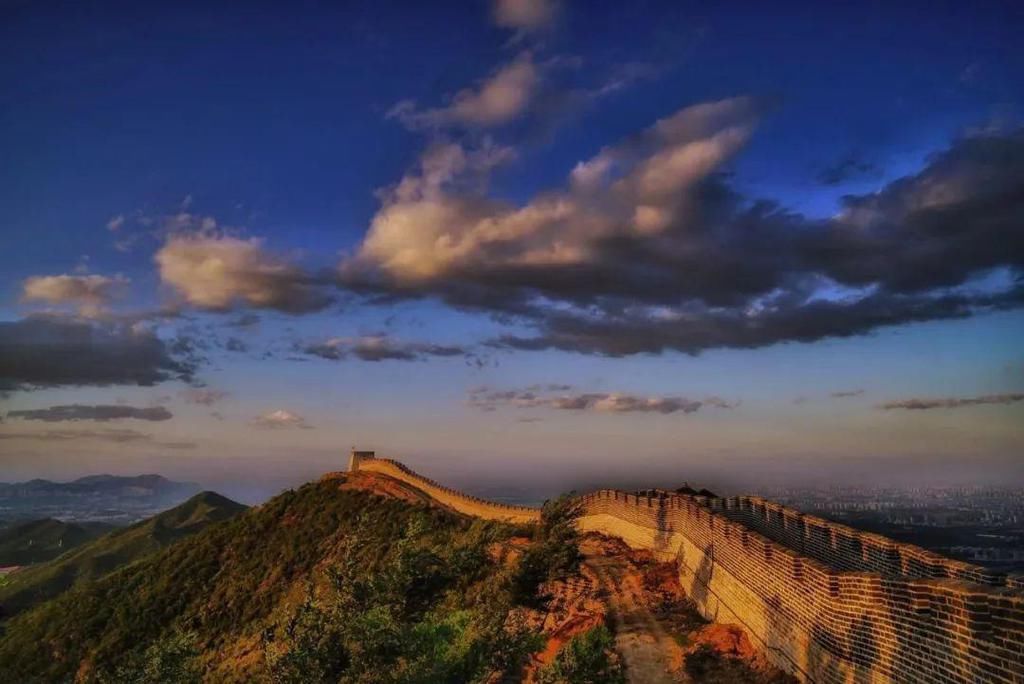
{"points": [[270, 135]]}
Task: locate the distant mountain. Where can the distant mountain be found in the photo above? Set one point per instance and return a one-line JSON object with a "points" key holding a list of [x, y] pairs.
{"points": [[111, 498], [137, 485], [100, 557]]}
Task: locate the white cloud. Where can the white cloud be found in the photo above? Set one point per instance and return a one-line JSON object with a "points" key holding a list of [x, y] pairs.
{"points": [[91, 294], [429, 227], [281, 419], [524, 15], [217, 272], [503, 96]]}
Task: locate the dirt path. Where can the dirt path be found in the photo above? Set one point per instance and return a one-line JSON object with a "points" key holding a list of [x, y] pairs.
{"points": [[647, 650]]}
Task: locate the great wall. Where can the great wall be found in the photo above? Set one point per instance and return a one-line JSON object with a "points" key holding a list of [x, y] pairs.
{"points": [[827, 603]]}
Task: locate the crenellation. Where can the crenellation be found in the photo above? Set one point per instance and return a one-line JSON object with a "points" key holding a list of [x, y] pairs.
{"points": [[836, 620], [826, 602]]}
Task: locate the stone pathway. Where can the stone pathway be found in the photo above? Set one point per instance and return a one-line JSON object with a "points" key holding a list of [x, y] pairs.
{"points": [[645, 647]]}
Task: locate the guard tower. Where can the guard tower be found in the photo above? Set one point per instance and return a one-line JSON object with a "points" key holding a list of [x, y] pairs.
{"points": [[356, 457]]}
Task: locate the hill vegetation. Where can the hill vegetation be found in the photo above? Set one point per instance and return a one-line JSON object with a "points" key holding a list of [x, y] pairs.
{"points": [[99, 557], [38, 541], [315, 585]]}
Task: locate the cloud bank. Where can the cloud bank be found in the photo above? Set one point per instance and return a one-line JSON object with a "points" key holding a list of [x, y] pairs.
{"points": [[100, 413], [378, 348], [924, 404], [50, 351], [648, 247], [90, 293], [112, 436], [488, 400]]}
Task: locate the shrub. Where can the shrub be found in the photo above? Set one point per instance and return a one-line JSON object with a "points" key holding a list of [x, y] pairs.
{"points": [[587, 658]]}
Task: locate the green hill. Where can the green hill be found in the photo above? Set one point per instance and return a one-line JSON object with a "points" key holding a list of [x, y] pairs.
{"points": [[38, 541], [99, 557], [318, 584]]}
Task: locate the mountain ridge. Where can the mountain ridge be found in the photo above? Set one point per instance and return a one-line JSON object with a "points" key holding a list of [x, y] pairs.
{"points": [[102, 556], [41, 540]]}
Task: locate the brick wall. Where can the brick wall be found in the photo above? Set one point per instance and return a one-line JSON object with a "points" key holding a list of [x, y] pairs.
{"points": [[823, 616], [826, 602], [463, 503]]}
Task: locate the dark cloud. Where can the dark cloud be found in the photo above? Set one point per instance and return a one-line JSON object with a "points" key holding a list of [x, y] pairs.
{"points": [[236, 345], [847, 168], [50, 351], [626, 333], [100, 413], [649, 247], [378, 348], [489, 400], [113, 436], [846, 394], [245, 320], [959, 216], [919, 404]]}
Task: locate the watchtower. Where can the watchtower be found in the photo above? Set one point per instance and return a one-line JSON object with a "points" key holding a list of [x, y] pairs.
{"points": [[356, 457]]}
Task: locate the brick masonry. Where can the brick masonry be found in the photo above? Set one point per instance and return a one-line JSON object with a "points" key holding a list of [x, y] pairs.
{"points": [[827, 603]]}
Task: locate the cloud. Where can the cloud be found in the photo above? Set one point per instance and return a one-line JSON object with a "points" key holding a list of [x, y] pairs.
{"points": [[234, 344], [849, 167], [489, 400], [498, 99], [845, 394], [218, 272], [917, 404], [524, 15], [100, 413], [90, 293], [203, 396], [281, 419], [114, 436], [245, 320], [52, 351], [378, 348], [648, 247]]}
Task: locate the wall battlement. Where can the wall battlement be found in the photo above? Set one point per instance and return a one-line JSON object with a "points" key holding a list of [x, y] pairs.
{"points": [[828, 603], [463, 503], [826, 617]]}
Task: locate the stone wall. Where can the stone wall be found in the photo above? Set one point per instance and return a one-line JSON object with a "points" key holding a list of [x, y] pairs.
{"points": [[452, 498], [826, 602], [816, 619], [846, 548]]}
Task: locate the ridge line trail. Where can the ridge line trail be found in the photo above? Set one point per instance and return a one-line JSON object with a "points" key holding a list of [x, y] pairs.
{"points": [[645, 647]]}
